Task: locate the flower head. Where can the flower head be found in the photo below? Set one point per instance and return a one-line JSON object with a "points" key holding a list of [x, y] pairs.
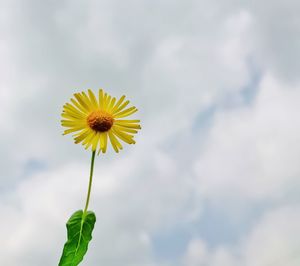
{"points": [[95, 120]]}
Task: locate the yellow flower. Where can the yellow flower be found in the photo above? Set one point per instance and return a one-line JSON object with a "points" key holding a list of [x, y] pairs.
{"points": [[95, 120]]}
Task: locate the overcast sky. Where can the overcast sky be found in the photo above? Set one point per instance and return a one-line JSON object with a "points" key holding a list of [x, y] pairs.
{"points": [[214, 178]]}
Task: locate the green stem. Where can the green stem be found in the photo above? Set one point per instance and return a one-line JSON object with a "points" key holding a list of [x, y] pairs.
{"points": [[90, 183]]}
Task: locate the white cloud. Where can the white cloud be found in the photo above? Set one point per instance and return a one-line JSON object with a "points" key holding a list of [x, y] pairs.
{"points": [[252, 150], [130, 205], [274, 241], [197, 254], [276, 42], [174, 60], [40, 206]]}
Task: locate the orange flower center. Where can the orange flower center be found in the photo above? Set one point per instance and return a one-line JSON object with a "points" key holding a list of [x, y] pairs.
{"points": [[100, 121]]}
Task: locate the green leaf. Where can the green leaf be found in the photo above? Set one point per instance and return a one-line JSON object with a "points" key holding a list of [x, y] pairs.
{"points": [[80, 227]]}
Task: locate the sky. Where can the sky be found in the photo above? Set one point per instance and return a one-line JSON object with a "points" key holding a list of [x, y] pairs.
{"points": [[214, 176]]}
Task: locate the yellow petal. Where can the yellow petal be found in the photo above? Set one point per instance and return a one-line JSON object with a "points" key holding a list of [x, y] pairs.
{"points": [[126, 112], [123, 136], [103, 142], [71, 116], [89, 136], [118, 104], [81, 108], [128, 121], [114, 142], [90, 140], [128, 125], [87, 101], [107, 102], [74, 129], [101, 98], [120, 108], [95, 141], [104, 100], [81, 135], [81, 101], [69, 108], [129, 130], [93, 99], [68, 123], [113, 100]]}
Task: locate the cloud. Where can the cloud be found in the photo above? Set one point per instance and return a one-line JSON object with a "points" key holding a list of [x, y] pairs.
{"points": [[50, 54], [258, 144], [276, 41], [275, 240], [271, 242], [196, 253], [36, 217], [217, 90], [130, 204]]}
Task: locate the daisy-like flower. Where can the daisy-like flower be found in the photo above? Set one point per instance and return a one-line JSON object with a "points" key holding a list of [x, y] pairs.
{"points": [[95, 120]]}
